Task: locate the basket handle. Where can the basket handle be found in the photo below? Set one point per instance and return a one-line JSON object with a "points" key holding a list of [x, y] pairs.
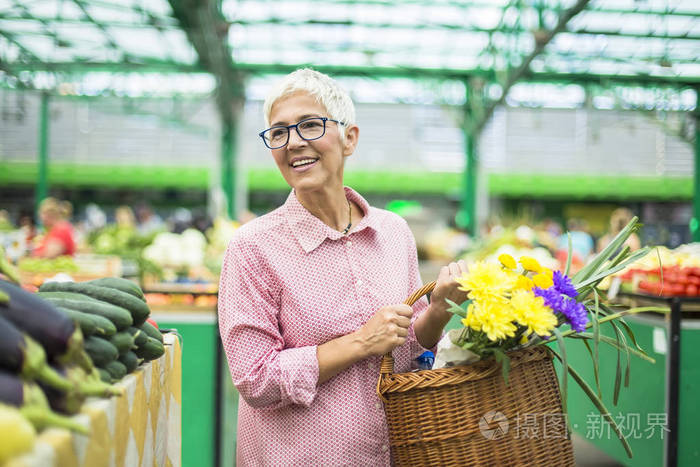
{"points": [[387, 366]]}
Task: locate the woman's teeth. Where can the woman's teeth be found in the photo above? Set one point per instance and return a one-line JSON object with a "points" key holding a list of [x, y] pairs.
{"points": [[303, 162]]}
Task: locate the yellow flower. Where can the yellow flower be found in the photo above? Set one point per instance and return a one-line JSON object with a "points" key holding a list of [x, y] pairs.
{"points": [[507, 261], [492, 318], [523, 339], [487, 282], [542, 280], [530, 310], [530, 264], [524, 282], [549, 272]]}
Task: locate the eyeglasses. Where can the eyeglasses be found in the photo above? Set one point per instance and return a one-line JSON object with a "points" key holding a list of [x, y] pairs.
{"points": [[308, 129]]}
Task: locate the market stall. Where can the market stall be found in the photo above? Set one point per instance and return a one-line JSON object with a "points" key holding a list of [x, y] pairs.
{"points": [[140, 428]]}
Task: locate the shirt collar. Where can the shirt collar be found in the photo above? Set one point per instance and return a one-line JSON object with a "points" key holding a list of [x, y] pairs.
{"points": [[310, 231]]}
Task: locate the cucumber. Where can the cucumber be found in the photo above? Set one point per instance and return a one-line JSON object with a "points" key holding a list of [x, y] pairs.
{"points": [[104, 327], [140, 337], [104, 375], [119, 316], [87, 325], [116, 369], [130, 361], [71, 295], [101, 351], [118, 283], [138, 309], [151, 350], [151, 331], [123, 341]]}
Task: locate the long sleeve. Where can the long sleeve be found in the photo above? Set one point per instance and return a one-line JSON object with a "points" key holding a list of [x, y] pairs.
{"points": [[414, 283], [266, 374]]}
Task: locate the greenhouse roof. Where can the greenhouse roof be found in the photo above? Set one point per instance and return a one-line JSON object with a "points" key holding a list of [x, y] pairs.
{"points": [[628, 42]]}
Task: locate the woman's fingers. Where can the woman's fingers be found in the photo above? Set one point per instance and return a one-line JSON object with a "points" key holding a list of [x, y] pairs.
{"points": [[454, 270]]}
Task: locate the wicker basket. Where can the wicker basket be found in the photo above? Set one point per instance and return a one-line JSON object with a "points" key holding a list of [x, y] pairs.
{"points": [[466, 415]]}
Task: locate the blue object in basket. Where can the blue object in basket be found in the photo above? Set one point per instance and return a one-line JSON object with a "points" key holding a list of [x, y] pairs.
{"points": [[425, 360]]}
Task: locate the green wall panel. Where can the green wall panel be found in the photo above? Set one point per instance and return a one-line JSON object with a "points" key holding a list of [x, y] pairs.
{"points": [[199, 334], [380, 181], [644, 399]]}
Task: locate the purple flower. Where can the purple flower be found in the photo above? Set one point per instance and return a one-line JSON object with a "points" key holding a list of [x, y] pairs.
{"points": [[574, 312], [563, 284]]}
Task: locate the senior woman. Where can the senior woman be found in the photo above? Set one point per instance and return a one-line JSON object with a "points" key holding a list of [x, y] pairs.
{"points": [[311, 295]]}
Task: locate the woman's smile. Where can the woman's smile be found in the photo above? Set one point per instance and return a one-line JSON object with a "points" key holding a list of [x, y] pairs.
{"points": [[303, 163]]}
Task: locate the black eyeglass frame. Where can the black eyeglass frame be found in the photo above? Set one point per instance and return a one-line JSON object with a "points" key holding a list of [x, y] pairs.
{"points": [[296, 127]]}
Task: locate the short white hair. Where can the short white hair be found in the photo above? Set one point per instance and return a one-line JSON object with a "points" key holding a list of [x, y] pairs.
{"points": [[323, 88]]}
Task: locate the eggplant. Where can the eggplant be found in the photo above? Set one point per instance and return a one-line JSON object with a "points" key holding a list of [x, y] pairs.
{"points": [[56, 332], [84, 385], [22, 355], [32, 403]]}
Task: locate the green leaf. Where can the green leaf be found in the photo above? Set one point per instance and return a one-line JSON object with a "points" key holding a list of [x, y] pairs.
{"points": [[592, 267], [565, 365], [459, 310], [467, 345], [618, 368], [627, 327], [596, 344], [612, 270], [599, 405], [504, 360], [586, 336]]}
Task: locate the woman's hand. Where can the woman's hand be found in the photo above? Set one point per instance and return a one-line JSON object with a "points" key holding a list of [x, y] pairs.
{"points": [[386, 329], [447, 288], [430, 324]]}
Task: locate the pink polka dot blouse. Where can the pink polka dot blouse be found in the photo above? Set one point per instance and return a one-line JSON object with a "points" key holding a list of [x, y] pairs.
{"points": [[288, 284]]}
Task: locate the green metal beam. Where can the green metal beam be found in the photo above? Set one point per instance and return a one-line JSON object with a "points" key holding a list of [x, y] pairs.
{"points": [[695, 220], [490, 4], [108, 36], [42, 182], [153, 65], [165, 23], [517, 29], [523, 68], [207, 31]]}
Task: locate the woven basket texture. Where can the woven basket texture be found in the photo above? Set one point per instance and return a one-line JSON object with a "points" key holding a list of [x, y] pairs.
{"points": [[467, 415]]}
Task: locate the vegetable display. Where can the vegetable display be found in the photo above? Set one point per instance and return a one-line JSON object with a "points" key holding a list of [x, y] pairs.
{"points": [[67, 342]]}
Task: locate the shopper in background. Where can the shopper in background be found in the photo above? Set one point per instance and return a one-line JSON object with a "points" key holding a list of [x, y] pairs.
{"points": [[618, 220], [149, 221], [582, 245], [124, 217], [59, 238], [311, 295]]}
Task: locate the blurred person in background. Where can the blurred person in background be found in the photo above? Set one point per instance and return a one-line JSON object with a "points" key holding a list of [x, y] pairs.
{"points": [[148, 221], [124, 217], [59, 237], [619, 218], [582, 245], [311, 295]]}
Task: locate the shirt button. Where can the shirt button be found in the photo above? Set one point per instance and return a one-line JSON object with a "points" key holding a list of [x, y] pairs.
{"points": [[349, 243], [385, 447], [359, 282], [377, 405]]}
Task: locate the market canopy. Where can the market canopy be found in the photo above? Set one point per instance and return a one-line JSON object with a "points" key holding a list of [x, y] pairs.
{"points": [[584, 41]]}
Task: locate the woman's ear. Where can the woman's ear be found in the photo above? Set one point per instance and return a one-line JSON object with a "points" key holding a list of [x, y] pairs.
{"points": [[352, 134]]}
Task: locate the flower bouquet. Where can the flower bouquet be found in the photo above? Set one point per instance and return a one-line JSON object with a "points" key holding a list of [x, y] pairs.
{"points": [[499, 363]]}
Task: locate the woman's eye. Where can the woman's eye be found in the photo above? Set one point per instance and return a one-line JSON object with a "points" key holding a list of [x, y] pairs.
{"points": [[277, 133], [310, 124]]}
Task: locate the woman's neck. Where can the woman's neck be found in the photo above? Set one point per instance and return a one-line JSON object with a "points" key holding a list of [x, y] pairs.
{"points": [[330, 206]]}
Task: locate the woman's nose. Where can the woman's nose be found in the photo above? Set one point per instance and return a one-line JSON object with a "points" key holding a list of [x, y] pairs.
{"points": [[295, 140]]}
